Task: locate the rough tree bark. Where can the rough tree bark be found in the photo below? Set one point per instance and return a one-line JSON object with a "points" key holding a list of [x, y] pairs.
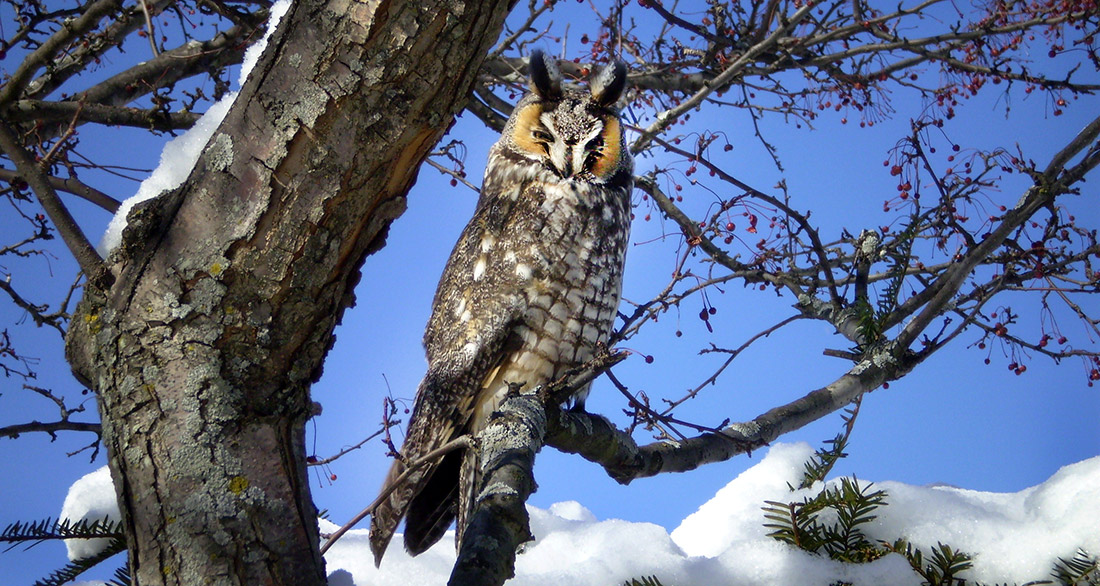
{"points": [[213, 317]]}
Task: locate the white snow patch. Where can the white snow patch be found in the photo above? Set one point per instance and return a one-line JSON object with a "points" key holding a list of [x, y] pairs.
{"points": [[1014, 537], [92, 498], [252, 54], [733, 514], [176, 161], [180, 154], [572, 511]]}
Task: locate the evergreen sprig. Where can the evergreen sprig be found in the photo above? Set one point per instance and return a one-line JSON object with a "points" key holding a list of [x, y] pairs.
{"points": [[899, 257], [50, 529], [942, 566], [830, 523], [817, 468], [1080, 570], [849, 505], [47, 529], [122, 576], [869, 323], [70, 571], [644, 581]]}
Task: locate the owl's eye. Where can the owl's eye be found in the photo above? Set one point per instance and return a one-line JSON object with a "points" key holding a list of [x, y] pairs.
{"points": [[594, 148], [591, 160], [541, 135]]}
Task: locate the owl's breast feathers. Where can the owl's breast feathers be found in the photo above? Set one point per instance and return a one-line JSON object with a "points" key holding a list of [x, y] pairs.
{"points": [[541, 259]]}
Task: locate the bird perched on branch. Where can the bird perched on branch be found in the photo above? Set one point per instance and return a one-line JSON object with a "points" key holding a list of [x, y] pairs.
{"points": [[530, 290]]}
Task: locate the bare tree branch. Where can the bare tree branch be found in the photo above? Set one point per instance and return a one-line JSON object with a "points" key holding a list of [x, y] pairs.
{"points": [[597, 440], [46, 52], [14, 431], [499, 523], [35, 311], [152, 119], [86, 256], [73, 186]]}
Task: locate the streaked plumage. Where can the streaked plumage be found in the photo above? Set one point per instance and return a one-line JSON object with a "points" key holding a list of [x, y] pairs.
{"points": [[531, 288]]}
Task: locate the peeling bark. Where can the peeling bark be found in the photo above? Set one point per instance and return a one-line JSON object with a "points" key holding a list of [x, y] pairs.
{"points": [[225, 292]]}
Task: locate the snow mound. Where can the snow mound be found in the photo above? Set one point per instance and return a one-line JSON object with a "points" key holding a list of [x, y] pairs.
{"points": [[734, 515], [176, 161], [1013, 537], [91, 498]]}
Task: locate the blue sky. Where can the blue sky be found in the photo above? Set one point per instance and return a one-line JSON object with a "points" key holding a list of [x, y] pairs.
{"points": [[954, 420]]}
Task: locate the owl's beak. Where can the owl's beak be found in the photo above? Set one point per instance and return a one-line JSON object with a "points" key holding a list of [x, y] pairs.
{"points": [[567, 169], [567, 159]]}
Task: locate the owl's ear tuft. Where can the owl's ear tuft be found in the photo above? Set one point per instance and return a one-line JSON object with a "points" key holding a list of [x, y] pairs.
{"points": [[545, 76], [608, 83]]}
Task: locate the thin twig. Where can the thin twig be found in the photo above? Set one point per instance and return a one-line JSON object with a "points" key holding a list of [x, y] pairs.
{"points": [[462, 442], [346, 450]]}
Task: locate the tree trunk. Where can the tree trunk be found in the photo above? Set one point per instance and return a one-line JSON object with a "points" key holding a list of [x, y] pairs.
{"points": [[203, 341]]}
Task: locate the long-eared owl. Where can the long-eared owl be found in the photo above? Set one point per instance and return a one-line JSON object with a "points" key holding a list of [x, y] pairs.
{"points": [[530, 290]]}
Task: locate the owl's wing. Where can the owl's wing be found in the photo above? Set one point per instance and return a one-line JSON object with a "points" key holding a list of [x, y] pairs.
{"points": [[470, 333], [427, 497]]}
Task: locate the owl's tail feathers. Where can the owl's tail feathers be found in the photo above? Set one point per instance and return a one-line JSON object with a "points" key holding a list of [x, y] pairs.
{"points": [[469, 479], [432, 510], [389, 511], [425, 498]]}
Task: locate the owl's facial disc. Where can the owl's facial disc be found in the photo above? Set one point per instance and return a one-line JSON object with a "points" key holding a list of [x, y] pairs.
{"points": [[569, 139]]}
